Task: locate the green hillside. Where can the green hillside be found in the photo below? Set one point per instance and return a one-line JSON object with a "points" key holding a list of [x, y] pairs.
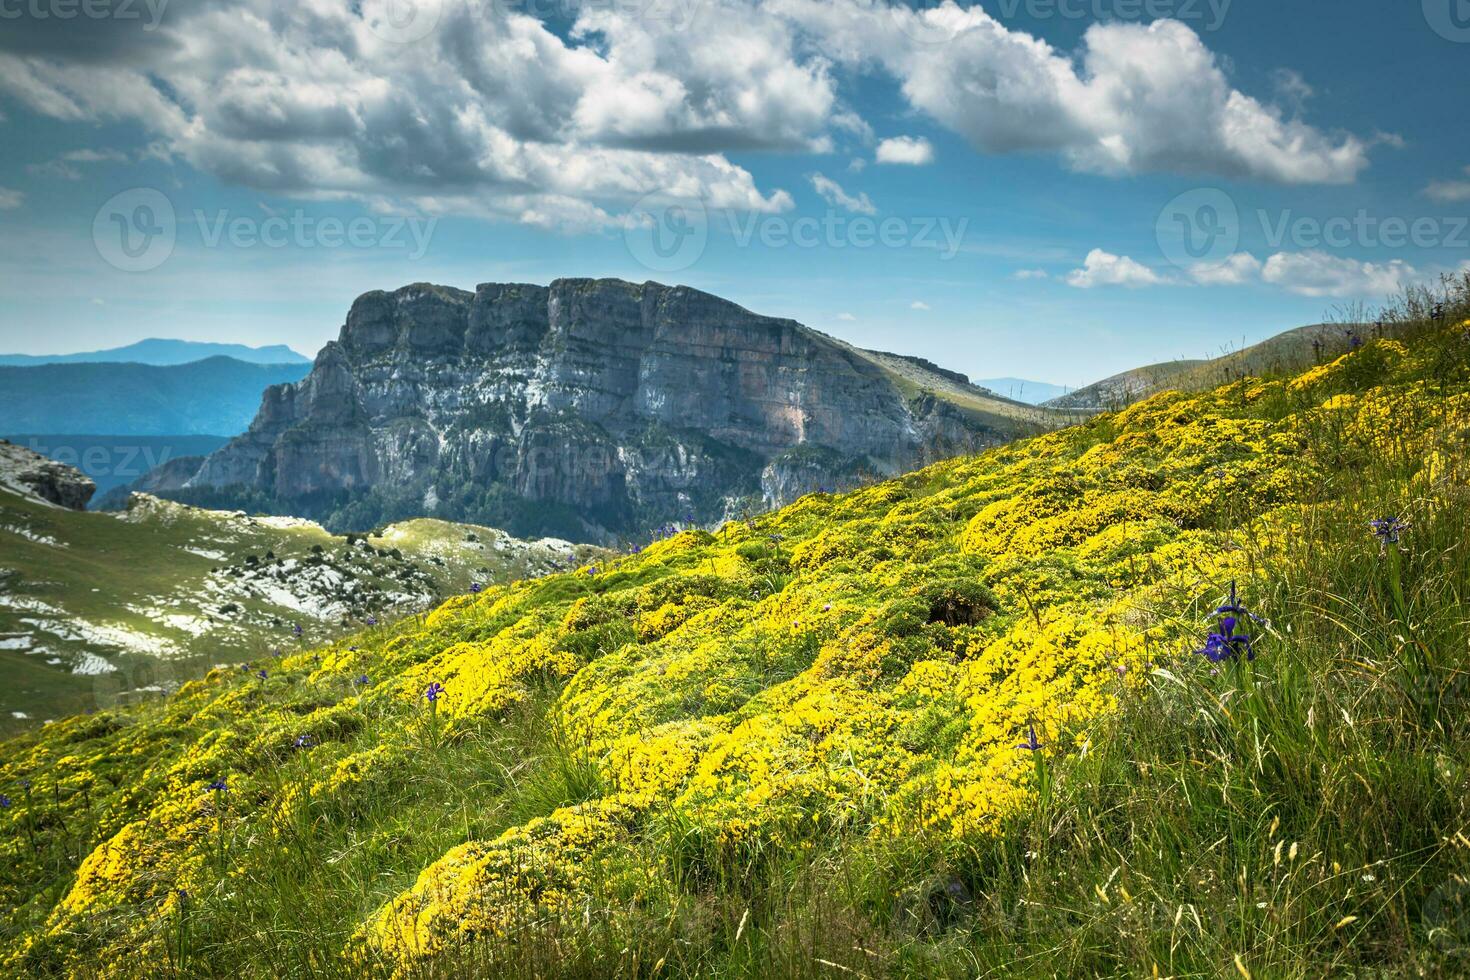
{"points": [[1294, 350], [106, 608], [952, 725]]}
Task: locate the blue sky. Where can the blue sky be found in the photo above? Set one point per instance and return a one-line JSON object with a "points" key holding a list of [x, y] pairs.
{"points": [[1031, 165]]}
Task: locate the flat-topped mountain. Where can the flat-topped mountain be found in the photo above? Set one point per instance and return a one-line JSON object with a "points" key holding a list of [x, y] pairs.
{"points": [[588, 408]]}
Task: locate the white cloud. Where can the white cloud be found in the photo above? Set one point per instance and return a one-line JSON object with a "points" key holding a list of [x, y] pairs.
{"points": [[492, 110], [846, 317], [1450, 191], [1239, 269], [10, 200], [918, 304], [1106, 269], [1133, 99], [1320, 274], [1025, 274], [911, 150], [497, 113], [834, 195]]}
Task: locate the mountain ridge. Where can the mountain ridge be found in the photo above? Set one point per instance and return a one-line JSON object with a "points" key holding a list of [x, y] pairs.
{"points": [[1290, 350], [216, 396], [163, 352], [592, 408]]}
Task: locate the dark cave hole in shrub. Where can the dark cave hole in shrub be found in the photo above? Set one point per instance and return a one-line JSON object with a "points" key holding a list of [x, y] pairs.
{"points": [[959, 603]]}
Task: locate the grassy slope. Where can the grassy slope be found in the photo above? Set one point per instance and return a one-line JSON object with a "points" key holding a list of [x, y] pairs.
{"points": [[1003, 414], [141, 592], [1294, 350], [790, 748]]}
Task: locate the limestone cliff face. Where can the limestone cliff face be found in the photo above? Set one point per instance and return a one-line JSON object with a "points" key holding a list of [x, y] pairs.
{"points": [[32, 475], [626, 404]]}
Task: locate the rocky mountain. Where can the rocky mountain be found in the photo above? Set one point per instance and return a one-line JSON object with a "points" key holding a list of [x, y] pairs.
{"points": [[588, 408], [216, 396], [97, 608], [31, 475], [160, 352]]}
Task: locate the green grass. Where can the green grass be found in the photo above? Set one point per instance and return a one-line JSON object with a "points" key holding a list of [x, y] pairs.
{"points": [[1286, 353], [1302, 815], [102, 573]]}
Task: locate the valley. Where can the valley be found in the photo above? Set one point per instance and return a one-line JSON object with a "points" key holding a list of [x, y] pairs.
{"points": [[99, 609]]}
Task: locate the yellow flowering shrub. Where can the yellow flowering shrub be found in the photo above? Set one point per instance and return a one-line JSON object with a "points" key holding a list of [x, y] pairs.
{"points": [[866, 664]]}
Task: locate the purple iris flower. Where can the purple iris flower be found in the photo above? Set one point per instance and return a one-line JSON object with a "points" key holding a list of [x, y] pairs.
{"points": [[475, 587], [1388, 529], [362, 681], [261, 674], [1031, 744], [218, 786], [372, 621], [434, 692], [1225, 643], [296, 629], [4, 802], [302, 742]]}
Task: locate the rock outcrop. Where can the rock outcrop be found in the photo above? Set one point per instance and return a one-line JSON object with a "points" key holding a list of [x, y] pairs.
{"points": [[622, 405], [32, 475]]}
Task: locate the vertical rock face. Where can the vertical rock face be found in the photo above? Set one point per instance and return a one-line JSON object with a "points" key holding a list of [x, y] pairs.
{"points": [[616, 405], [32, 475]]}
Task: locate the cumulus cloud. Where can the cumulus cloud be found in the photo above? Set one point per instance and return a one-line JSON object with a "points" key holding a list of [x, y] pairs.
{"points": [[491, 109], [10, 200], [1450, 191], [912, 150], [846, 317], [1237, 270], [1320, 274], [1133, 99], [918, 304], [1106, 269], [833, 194], [495, 111]]}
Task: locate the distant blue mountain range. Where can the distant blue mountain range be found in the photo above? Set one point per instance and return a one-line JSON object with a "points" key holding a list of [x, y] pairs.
{"points": [[217, 396], [1021, 390], [159, 352]]}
